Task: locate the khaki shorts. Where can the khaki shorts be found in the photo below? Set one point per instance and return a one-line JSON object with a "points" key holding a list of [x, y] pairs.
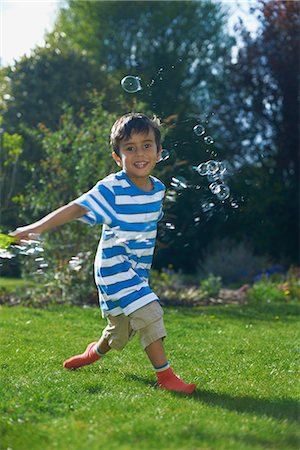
{"points": [[148, 321]]}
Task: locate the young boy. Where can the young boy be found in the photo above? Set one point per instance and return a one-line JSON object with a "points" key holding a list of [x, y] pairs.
{"points": [[129, 205]]}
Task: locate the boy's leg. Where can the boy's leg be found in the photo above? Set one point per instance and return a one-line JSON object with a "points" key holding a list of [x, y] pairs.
{"points": [[115, 335], [93, 352], [166, 378]]}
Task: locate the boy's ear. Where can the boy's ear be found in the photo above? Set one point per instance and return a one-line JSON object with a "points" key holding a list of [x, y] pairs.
{"points": [[159, 153], [117, 159]]}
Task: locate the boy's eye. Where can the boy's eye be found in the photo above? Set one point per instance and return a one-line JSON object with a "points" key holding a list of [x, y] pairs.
{"points": [[147, 145], [130, 148]]}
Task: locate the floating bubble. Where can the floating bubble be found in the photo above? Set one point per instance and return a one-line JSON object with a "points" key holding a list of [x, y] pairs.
{"points": [[179, 183], [170, 226], [165, 154], [234, 205], [6, 254], [201, 169], [131, 84], [207, 206], [213, 177], [223, 192], [222, 166], [199, 130], [208, 140], [171, 196], [212, 167], [75, 263], [197, 219], [215, 187]]}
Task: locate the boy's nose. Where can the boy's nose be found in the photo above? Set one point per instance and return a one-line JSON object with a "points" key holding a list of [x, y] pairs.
{"points": [[140, 150]]}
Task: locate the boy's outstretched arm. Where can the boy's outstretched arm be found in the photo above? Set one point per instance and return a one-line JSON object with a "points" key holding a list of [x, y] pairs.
{"points": [[54, 219]]}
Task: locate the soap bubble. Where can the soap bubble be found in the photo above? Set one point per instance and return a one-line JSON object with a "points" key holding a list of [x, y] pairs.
{"points": [[208, 140], [223, 192], [30, 246], [171, 196], [202, 169], [75, 263], [222, 166], [131, 84], [179, 183], [199, 130], [170, 226], [212, 167], [215, 187], [165, 154], [6, 254], [213, 177], [207, 206]]}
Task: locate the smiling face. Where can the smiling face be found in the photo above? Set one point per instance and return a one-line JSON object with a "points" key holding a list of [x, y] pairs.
{"points": [[138, 155]]}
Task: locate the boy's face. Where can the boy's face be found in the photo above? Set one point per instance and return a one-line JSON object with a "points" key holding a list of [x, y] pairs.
{"points": [[138, 155]]}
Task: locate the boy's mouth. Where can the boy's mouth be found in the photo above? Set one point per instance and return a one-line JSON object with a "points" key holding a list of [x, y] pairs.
{"points": [[140, 164]]}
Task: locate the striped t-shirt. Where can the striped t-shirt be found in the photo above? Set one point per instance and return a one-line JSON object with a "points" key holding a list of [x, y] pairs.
{"points": [[129, 216]]}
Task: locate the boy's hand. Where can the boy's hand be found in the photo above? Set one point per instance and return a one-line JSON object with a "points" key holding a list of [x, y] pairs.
{"points": [[25, 233]]}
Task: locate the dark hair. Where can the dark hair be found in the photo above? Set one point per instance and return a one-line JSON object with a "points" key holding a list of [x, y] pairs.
{"points": [[133, 122]]}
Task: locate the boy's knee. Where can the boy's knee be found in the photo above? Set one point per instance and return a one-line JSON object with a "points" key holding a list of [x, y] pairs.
{"points": [[118, 332], [152, 333], [117, 344]]}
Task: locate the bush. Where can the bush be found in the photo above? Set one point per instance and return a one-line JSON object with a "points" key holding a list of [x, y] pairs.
{"points": [[265, 292], [270, 290], [232, 261], [211, 286]]}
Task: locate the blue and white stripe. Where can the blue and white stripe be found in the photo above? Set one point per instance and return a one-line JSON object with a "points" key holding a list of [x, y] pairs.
{"points": [[129, 216]]}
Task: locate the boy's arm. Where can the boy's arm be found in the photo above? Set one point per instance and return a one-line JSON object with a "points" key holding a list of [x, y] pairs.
{"points": [[58, 217]]}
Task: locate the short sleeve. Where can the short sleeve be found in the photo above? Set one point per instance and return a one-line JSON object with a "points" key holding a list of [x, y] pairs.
{"points": [[161, 215], [100, 205]]}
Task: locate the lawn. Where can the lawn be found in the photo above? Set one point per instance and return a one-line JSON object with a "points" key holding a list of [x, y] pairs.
{"points": [[243, 359]]}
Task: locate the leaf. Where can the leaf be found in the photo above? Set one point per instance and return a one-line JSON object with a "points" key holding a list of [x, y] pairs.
{"points": [[6, 241]]}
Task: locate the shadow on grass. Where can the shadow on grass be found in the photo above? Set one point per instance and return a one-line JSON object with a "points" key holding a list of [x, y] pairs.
{"points": [[282, 312], [281, 409]]}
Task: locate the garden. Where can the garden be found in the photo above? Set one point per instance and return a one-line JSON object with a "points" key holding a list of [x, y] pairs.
{"points": [[226, 262]]}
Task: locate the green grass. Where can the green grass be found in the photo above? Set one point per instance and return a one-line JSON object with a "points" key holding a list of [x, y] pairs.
{"points": [[244, 361]]}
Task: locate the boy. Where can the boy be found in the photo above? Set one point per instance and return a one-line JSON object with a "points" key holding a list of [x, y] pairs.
{"points": [[129, 205]]}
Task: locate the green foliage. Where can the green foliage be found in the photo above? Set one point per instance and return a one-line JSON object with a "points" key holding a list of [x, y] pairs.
{"points": [[243, 360], [185, 39], [276, 288], [76, 156], [11, 149], [265, 292], [6, 241], [211, 285], [263, 93], [35, 90], [176, 289], [38, 86]]}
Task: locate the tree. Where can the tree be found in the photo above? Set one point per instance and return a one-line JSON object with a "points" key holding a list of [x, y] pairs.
{"points": [[38, 86], [267, 77], [10, 153], [35, 91], [177, 48]]}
